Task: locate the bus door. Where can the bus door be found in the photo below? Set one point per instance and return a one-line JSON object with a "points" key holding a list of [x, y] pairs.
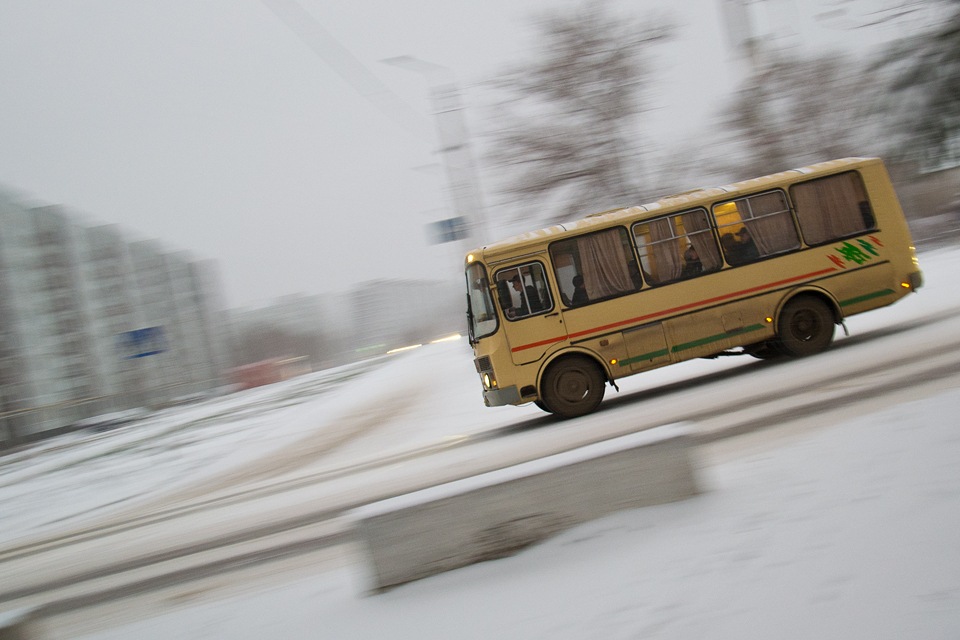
{"points": [[532, 317]]}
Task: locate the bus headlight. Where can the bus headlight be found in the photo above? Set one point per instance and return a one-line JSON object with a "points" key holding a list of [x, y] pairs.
{"points": [[485, 369]]}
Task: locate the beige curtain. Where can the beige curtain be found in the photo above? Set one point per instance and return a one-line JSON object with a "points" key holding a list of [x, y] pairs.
{"points": [[697, 225], [831, 208], [769, 222], [605, 264], [667, 254]]}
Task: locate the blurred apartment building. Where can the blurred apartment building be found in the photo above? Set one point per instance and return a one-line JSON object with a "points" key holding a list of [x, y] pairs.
{"points": [[306, 328], [336, 328], [389, 314], [91, 324]]}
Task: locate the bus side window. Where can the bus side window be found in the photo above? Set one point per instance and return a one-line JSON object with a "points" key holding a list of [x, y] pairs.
{"points": [[832, 207], [866, 214], [676, 247], [503, 294], [565, 269], [523, 291], [755, 226], [601, 262]]}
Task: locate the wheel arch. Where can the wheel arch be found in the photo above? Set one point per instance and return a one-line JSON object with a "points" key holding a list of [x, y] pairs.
{"points": [[568, 353], [814, 292]]}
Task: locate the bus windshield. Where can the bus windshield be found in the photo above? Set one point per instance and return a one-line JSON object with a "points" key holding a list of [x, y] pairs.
{"points": [[481, 316]]}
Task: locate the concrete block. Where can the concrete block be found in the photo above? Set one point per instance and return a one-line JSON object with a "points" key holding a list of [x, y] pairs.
{"points": [[496, 514], [18, 624]]}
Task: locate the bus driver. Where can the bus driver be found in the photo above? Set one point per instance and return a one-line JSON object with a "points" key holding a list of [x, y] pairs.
{"points": [[529, 300]]}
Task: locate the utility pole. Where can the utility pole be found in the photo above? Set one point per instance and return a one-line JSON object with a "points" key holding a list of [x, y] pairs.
{"points": [[740, 31], [467, 221], [756, 27], [456, 158]]}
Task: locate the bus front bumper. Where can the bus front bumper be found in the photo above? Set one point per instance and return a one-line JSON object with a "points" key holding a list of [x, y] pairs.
{"points": [[500, 397]]}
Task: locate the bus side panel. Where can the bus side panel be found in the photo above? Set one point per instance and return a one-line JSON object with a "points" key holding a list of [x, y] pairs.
{"points": [[646, 347], [865, 288], [531, 338], [609, 348], [894, 232], [710, 331]]}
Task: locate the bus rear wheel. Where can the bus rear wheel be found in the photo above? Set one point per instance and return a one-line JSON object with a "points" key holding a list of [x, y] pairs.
{"points": [[572, 387], [806, 326]]}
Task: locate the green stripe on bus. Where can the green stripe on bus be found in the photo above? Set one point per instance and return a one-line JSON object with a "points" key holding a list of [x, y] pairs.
{"points": [[644, 356], [869, 296], [716, 338], [690, 345]]}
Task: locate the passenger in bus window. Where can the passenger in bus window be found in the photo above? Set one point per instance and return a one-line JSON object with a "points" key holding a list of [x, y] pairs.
{"points": [[691, 263], [635, 274], [579, 291], [529, 300], [745, 246], [739, 247], [731, 248]]}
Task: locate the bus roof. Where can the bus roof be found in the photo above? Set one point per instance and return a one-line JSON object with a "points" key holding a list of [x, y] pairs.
{"points": [[528, 242]]}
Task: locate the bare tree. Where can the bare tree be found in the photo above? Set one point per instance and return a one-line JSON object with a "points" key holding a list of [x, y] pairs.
{"points": [[794, 112], [925, 90], [566, 133]]}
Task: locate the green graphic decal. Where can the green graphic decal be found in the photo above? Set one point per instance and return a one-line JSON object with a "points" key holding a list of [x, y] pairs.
{"points": [[859, 253]]}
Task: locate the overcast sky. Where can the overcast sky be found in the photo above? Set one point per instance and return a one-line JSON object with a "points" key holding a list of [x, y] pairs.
{"points": [[213, 127]]}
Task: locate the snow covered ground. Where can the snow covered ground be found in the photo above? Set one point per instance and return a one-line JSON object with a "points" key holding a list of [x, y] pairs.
{"points": [[848, 533], [841, 532]]}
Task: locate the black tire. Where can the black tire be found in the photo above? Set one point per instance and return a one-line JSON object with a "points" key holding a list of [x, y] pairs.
{"points": [[541, 406], [572, 386], [806, 326]]}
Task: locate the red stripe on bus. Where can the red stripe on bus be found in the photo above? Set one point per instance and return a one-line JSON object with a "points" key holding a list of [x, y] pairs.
{"points": [[540, 344], [684, 307]]}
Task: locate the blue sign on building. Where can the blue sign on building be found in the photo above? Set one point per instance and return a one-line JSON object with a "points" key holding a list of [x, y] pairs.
{"points": [[140, 343], [449, 230]]}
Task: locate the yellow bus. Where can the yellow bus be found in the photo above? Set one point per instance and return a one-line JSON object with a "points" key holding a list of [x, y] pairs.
{"points": [[765, 267]]}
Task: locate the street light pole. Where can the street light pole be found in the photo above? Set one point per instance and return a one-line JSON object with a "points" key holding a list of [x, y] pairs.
{"points": [[462, 179]]}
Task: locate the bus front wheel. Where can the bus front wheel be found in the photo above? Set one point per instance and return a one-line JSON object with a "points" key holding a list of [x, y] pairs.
{"points": [[806, 326], [572, 387]]}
